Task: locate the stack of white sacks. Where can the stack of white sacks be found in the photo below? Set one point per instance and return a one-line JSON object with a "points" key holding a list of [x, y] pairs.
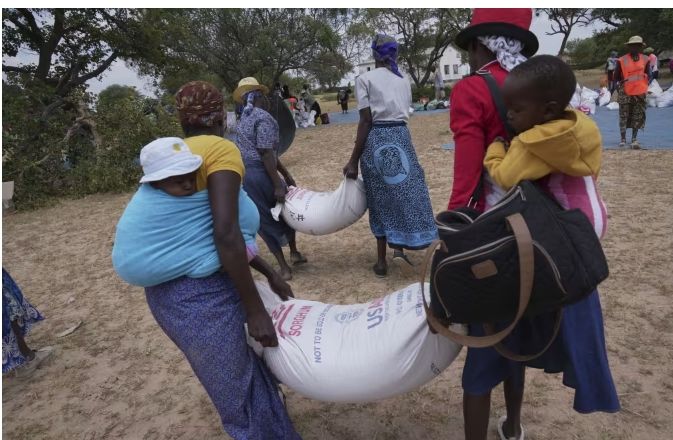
{"points": [[656, 97], [586, 99]]}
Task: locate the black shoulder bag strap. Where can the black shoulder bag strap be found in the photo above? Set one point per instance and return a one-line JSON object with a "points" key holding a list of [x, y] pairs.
{"points": [[496, 95]]}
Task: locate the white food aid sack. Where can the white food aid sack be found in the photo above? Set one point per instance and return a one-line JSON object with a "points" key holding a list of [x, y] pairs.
{"points": [[588, 100], [357, 352], [654, 91], [576, 99], [666, 98], [613, 106], [604, 97], [322, 213]]}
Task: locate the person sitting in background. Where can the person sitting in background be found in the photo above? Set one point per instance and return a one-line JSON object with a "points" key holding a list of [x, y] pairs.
{"points": [[18, 317]]}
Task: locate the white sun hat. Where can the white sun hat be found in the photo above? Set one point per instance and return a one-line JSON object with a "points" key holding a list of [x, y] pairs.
{"points": [[166, 157]]}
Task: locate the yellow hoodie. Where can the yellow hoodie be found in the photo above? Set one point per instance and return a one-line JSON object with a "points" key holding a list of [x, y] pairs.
{"points": [[570, 145]]}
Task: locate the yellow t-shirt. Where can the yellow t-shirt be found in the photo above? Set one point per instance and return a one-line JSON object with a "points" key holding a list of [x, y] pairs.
{"points": [[218, 154]]}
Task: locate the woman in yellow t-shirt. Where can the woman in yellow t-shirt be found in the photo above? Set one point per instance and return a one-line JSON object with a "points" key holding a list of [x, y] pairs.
{"points": [[205, 317]]}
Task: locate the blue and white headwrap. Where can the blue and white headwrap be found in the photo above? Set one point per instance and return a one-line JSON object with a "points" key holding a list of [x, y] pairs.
{"points": [[385, 49], [249, 99]]}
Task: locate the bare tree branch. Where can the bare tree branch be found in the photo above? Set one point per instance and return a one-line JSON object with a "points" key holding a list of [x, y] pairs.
{"points": [[19, 69]]}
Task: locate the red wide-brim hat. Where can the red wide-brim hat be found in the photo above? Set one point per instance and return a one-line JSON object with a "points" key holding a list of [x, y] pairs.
{"points": [[505, 22]]}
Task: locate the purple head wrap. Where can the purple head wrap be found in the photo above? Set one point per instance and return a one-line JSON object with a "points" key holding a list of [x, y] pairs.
{"points": [[384, 49]]}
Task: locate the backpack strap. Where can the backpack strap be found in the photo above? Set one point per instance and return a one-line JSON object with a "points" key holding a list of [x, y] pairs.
{"points": [[496, 95], [499, 103]]}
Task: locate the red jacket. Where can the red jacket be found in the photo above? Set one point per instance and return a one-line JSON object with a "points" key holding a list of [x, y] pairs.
{"points": [[475, 123]]}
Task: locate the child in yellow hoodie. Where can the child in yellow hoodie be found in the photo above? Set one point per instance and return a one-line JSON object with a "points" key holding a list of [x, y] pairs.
{"points": [[560, 149], [556, 146]]}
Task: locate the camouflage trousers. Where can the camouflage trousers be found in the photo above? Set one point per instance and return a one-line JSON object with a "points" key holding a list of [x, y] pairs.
{"points": [[631, 111]]}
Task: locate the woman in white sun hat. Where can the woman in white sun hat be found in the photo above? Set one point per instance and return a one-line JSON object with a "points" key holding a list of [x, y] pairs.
{"points": [[166, 242]]}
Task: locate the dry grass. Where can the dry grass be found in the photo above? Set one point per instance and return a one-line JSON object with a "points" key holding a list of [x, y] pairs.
{"points": [[119, 376]]}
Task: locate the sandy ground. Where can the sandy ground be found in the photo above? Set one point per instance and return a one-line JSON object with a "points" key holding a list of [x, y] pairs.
{"points": [[119, 376]]}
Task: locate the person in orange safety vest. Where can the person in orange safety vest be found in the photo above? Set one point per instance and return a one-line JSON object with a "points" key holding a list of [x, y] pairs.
{"points": [[632, 73]]}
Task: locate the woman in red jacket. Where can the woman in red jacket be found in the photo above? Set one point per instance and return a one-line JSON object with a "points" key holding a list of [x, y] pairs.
{"points": [[498, 40]]}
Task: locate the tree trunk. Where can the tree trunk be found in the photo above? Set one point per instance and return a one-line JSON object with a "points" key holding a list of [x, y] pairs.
{"points": [[563, 43]]}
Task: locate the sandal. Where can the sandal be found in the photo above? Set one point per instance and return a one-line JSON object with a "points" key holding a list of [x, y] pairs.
{"points": [[379, 271], [635, 145], [400, 257], [297, 258], [33, 364], [501, 433], [622, 144], [403, 263]]}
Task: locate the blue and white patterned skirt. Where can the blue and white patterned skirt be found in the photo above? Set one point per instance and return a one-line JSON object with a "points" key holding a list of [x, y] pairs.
{"points": [[14, 308], [397, 195]]}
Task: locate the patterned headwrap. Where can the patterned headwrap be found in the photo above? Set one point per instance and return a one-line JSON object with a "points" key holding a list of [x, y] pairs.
{"points": [[199, 104], [385, 49], [249, 99], [507, 50]]}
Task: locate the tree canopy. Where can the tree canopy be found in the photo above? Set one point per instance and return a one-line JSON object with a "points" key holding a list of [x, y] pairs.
{"points": [[73, 46]]}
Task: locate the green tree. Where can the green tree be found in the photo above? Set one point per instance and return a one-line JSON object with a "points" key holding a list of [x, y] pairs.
{"points": [[585, 52], [73, 46], [328, 68], [655, 25], [116, 93], [236, 43], [51, 139], [564, 20], [424, 35]]}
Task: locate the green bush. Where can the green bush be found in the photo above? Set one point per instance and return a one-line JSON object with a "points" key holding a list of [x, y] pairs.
{"points": [[45, 164]]}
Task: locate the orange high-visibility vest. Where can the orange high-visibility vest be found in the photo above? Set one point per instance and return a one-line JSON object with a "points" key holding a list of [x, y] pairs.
{"points": [[633, 73]]}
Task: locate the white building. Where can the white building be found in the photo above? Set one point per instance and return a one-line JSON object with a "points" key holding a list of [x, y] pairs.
{"points": [[450, 64]]}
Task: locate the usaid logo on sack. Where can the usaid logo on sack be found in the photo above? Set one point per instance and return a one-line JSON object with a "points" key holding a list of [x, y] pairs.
{"points": [[347, 316]]}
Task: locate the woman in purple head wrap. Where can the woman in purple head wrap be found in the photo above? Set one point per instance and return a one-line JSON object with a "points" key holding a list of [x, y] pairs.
{"points": [[384, 51], [400, 213]]}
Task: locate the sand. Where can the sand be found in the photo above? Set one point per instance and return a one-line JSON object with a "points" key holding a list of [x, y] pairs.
{"points": [[119, 376]]}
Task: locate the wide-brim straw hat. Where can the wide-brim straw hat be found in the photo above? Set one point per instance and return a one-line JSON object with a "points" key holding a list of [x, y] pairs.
{"points": [[509, 22], [636, 39], [247, 84]]}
